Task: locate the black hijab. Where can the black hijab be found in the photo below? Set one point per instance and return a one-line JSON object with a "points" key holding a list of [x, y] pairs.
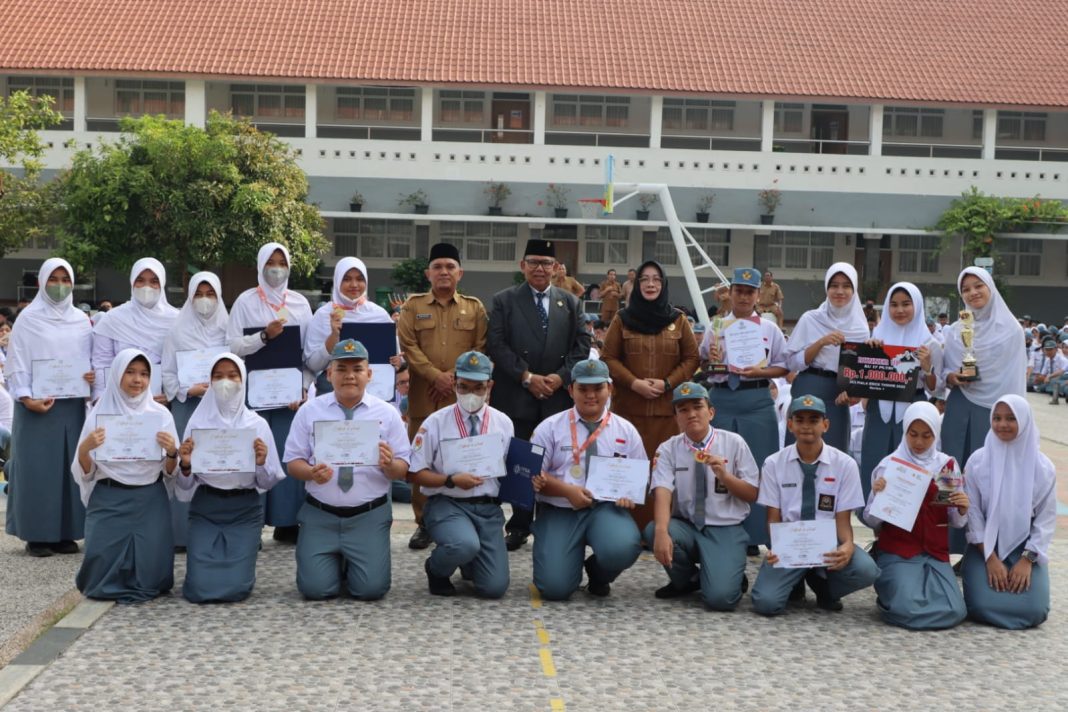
{"points": [[649, 317]]}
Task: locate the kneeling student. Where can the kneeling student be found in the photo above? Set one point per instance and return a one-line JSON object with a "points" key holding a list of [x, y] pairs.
{"points": [[568, 518], [345, 519], [812, 480], [463, 513], [703, 483]]}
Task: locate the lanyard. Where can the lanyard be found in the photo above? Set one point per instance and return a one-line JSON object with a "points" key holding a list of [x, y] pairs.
{"points": [[263, 298], [704, 453], [462, 427], [576, 451]]}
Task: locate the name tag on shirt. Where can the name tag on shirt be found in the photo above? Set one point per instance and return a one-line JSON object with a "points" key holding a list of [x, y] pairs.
{"points": [[789, 484], [826, 503]]}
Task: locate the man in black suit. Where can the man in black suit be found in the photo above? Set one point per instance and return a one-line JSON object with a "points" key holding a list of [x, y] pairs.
{"points": [[536, 334]]}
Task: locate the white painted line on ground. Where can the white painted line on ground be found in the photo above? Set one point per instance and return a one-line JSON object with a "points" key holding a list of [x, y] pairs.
{"points": [[85, 614], [15, 677]]}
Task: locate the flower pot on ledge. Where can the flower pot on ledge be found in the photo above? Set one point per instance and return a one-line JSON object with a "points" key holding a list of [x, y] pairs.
{"points": [[702, 217], [642, 214], [422, 209], [355, 207], [495, 210], [767, 219], [560, 212]]}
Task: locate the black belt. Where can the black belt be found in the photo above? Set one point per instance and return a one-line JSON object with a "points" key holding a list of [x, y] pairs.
{"points": [[346, 512], [821, 372], [484, 499], [227, 492], [108, 482], [744, 385]]}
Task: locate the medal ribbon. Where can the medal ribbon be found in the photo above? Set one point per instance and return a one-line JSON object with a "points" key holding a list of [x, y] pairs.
{"points": [[701, 455], [263, 298], [462, 427], [576, 451]]}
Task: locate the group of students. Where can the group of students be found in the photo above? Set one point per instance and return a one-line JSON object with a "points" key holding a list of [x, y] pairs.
{"points": [[707, 481]]}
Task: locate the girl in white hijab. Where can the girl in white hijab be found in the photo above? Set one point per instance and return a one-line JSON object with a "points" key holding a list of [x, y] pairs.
{"points": [[129, 552], [226, 514], [1013, 489], [141, 323], [349, 305], [43, 508], [917, 588], [903, 323], [812, 350], [267, 309], [200, 326]]}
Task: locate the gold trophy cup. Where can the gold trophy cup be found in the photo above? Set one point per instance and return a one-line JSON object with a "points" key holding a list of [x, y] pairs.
{"points": [[969, 366], [717, 369]]}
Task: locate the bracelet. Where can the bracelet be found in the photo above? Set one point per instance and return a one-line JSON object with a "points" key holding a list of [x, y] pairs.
{"points": [[172, 457]]}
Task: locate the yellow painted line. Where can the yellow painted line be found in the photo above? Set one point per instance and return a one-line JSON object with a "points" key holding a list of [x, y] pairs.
{"points": [[547, 666], [543, 635], [535, 596], [556, 704]]}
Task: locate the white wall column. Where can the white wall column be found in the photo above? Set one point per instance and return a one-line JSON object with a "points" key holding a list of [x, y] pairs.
{"points": [[656, 121], [426, 114], [196, 100], [767, 125], [539, 118], [990, 132], [311, 110], [875, 130], [80, 102]]}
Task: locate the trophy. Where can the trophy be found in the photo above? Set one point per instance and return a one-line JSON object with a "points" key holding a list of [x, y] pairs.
{"points": [[969, 367], [720, 368], [948, 481]]}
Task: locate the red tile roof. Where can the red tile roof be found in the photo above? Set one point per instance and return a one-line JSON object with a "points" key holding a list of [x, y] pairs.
{"points": [[978, 52]]}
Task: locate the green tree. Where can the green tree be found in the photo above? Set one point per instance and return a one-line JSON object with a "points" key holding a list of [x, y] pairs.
{"points": [[27, 205], [189, 197], [410, 275]]}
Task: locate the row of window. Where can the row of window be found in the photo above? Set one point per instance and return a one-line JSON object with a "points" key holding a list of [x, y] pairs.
{"points": [[915, 122]]}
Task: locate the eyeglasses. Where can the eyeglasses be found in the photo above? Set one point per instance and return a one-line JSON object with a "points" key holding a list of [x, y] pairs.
{"points": [[543, 264]]}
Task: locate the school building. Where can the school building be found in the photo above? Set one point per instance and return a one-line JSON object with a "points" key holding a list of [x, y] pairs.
{"points": [[869, 117]]}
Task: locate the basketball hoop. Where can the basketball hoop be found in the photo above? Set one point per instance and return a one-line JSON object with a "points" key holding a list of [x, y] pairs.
{"points": [[592, 208]]}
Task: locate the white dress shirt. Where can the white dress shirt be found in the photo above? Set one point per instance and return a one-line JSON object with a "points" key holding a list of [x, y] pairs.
{"points": [[546, 303], [837, 478], [441, 425], [675, 471], [774, 342], [1042, 365], [369, 483], [618, 439]]}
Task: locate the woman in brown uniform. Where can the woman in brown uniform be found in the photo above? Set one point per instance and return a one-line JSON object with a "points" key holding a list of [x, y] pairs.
{"points": [[650, 348]]}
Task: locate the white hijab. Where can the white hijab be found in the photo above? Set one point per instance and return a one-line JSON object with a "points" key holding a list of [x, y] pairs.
{"points": [[362, 310], [914, 335], [258, 307], [932, 460], [132, 323], [116, 402], [997, 346], [817, 323], [192, 331], [1012, 468], [46, 330]]}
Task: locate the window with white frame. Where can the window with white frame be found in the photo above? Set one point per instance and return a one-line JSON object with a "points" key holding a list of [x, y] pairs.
{"points": [[592, 111], [912, 122], [917, 254], [789, 118], [375, 103], [59, 88], [267, 101], [715, 243], [370, 239], [607, 245], [700, 115], [462, 107], [794, 250], [135, 97], [1019, 257], [1021, 126], [481, 241]]}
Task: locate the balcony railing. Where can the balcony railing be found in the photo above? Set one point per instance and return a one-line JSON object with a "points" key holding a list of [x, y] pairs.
{"points": [[711, 143], [932, 150], [1031, 153], [802, 145], [381, 133], [484, 135], [590, 138]]}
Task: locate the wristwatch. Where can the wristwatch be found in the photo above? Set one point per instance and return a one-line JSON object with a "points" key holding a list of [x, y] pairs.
{"points": [[526, 381], [448, 482], [263, 336], [1030, 556]]}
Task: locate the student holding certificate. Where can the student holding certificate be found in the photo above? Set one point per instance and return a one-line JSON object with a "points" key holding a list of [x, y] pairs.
{"points": [[141, 323], [462, 512], [238, 463], [345, 519], [270, 307], [917, 588], [811, 481], [704, 480], [568, 518], [742, 397], [50, 337], [129, 549], [199, 334]]}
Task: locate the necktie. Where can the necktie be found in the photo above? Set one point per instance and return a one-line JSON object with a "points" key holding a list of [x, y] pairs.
{"points": [[808, 490], [344, 474], [472, 431], [700, 474], [591, 451], [734, 380], [539, 296]]}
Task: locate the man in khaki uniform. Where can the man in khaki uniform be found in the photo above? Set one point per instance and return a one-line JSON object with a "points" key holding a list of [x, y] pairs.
{"points": [[770, 298], [566, 282], [628, 286], [611, 293], [434, 329]]}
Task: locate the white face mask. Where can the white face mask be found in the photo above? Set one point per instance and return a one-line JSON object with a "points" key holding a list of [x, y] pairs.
{"points": [[227, 393], [146, 296], [471, 402], [205, 306], [276, 276]]}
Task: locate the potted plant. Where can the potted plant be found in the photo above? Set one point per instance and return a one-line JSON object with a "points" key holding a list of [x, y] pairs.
{"points": [[497, 194], [769, 199], [356, 202], [417, 201], [646, 200], [703, 206], [557, 197]]}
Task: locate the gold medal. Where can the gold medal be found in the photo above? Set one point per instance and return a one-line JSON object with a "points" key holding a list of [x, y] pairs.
{"points": [[576, 471], [700, 456]]}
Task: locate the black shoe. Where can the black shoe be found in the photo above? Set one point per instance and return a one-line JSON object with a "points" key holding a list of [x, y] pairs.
{"points": [[439, 585], [64, 547], [514, 540], [745, 584], [672, 591], [420, 539], [752, 550], [38, 549], [822, 589], [286, 535], [797, 593], [957, 567], [594, 587]]}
